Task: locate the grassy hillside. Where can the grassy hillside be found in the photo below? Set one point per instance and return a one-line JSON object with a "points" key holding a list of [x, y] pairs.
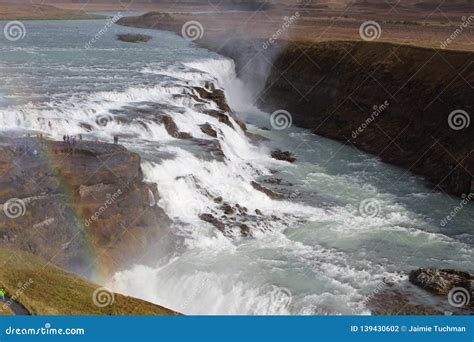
{"points": [[44, 289], [33, 12]]}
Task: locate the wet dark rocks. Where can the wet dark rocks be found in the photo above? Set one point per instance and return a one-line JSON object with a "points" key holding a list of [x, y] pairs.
{"points": [[277, 181], [209, 218], [207, 129], [216, 95], [283, 155], [173, 130], [441, 281], [222, 117], [270, 193], [133, 38]]}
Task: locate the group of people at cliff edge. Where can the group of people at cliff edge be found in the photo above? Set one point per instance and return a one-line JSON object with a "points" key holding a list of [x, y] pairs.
{"points": [[72, 140]]}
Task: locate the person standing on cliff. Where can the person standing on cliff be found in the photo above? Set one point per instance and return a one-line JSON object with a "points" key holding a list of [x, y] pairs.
{"points": [[115, 140]]}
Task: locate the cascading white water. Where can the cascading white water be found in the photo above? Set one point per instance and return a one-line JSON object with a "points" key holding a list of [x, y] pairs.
{"points": [[312, 253], [182, 284]]}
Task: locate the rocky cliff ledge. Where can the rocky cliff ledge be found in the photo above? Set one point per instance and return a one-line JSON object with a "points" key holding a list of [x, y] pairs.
{"points": [[77, 206], [410, 106]]}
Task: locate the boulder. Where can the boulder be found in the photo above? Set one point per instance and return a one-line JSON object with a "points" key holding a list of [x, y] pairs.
{"points": [[270, 193], [133, 38], [173, 129], [283, 155], [441, 281], [207, 129]]}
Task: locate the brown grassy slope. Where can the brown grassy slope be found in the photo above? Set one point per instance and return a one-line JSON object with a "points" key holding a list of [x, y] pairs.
{"points": [[48, 290], [27, 12], [5, 311], [406, 27]]}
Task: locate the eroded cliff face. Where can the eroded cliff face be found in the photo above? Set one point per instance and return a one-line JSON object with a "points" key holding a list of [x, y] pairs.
{"points": [[77, 206], [390, 100]]}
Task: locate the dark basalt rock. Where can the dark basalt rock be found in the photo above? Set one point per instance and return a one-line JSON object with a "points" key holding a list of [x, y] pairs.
{"points": [[227, 209], [277, 181], [243, 229], [441, 281], [173, 130], [133, 38], [283, 155], [222, 117], [215, 95], [213, 220], [211, 93], [207, 129], [270, 193]]}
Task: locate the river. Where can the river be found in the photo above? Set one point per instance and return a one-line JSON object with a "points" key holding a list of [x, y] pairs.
{"points": [[348, 222]]}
